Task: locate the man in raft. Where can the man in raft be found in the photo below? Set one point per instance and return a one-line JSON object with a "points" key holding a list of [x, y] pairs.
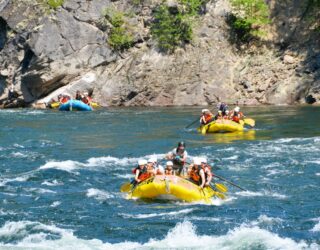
{"points": [[206, 117], [154, 167], [236, 115], [179, 157], [140, 172], [200, 172]]}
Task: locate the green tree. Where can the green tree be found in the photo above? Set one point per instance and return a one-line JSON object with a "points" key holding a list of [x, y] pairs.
{"points": [[55, 3], [250, 17], [120, 36], [170, 29]]}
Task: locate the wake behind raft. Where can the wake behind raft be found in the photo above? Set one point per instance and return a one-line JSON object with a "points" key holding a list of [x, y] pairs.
{"points": [[72, 105], [170, 187]]}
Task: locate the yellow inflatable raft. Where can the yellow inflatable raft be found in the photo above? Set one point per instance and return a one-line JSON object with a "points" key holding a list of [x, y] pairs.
{"points": [[221, 126], [172, 188]]}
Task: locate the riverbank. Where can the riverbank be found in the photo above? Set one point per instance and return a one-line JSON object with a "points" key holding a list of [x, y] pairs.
{"points": [[282, 68]]}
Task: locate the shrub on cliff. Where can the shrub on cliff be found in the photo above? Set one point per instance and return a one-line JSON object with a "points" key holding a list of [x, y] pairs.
{"points": [[55, 3], [249, 17], [120, 36], [170, 28]]}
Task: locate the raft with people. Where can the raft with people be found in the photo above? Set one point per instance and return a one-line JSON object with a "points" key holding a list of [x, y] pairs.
{"points": [[75, 105], [82, 102], [223, 121], [220, 126], [171, 187], [179, 180]]}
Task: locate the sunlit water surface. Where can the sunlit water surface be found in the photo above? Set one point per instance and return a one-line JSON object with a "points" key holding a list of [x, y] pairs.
{"points": [[61, 173]]}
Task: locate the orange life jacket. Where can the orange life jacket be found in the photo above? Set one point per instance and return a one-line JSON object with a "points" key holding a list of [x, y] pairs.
{"points": [[64, 99], [208, 117], [144, 176], [86, 100], [195, 173]]}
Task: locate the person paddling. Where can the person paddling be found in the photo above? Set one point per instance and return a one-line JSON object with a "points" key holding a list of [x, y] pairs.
{"points": [[154, 166], [206, 117], [179, 157], [140, 172], [236, 115], [79, 96], [207, 172], [86, 98], [200, 173]]}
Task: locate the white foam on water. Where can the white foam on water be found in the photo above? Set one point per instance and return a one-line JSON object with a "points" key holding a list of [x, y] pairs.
{"points": [[317, 174], [55, 204], [145, 216], [314, 161], [234, 157], [262, 193], [124, 176], [40, 190], [33, 235], [212, 219], [99, 194], [105, 161], [316, 228], [264, 219], [68, 166], [22, 178], [2, 212], [52, 184], [277, 172]]}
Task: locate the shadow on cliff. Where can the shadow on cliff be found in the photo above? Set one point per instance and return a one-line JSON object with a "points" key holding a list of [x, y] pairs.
{"points": [[297, 30]]}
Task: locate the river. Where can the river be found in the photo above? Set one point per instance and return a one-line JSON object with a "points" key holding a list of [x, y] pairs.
{"points": [[61, 173]]}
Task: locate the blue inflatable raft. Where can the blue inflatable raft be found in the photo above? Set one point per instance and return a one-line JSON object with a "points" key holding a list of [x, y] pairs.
{"points": [[73, 105]]}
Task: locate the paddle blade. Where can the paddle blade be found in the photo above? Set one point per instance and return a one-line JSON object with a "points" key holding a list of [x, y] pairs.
{"points": [[204, 130], [250, 122], [220, 195], [220, 187], [125, 187]]}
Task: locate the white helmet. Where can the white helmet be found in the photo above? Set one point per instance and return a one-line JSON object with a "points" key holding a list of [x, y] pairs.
{"points": [[227, 112], [142, 162], [205, 110], [237, 109], [152, 160], [169, 163], [203, 160], [196, 161]]}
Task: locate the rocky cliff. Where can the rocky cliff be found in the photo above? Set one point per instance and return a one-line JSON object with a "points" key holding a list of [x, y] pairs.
{"points": [[45, 51]]}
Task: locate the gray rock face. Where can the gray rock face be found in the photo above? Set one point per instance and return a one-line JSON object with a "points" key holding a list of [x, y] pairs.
{"points": [[64, 50]]}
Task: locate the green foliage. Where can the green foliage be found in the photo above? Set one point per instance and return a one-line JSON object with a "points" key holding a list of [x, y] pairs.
{"points": [[137, 2], [173, 28], [55, 3], [192, 7], [249, 17], [120, 37]]}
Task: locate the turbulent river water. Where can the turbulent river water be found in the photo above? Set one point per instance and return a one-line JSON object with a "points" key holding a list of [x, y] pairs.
{"points": [[61, 173]]}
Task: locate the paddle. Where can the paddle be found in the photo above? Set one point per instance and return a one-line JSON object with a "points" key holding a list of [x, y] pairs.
{"points": [[188, 126], [222, 188], [204, 129], [216, 193], [233, 184], [249, 122]]}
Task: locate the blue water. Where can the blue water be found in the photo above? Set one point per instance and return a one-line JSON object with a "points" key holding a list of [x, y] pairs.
{"points": [[61, 173]]}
